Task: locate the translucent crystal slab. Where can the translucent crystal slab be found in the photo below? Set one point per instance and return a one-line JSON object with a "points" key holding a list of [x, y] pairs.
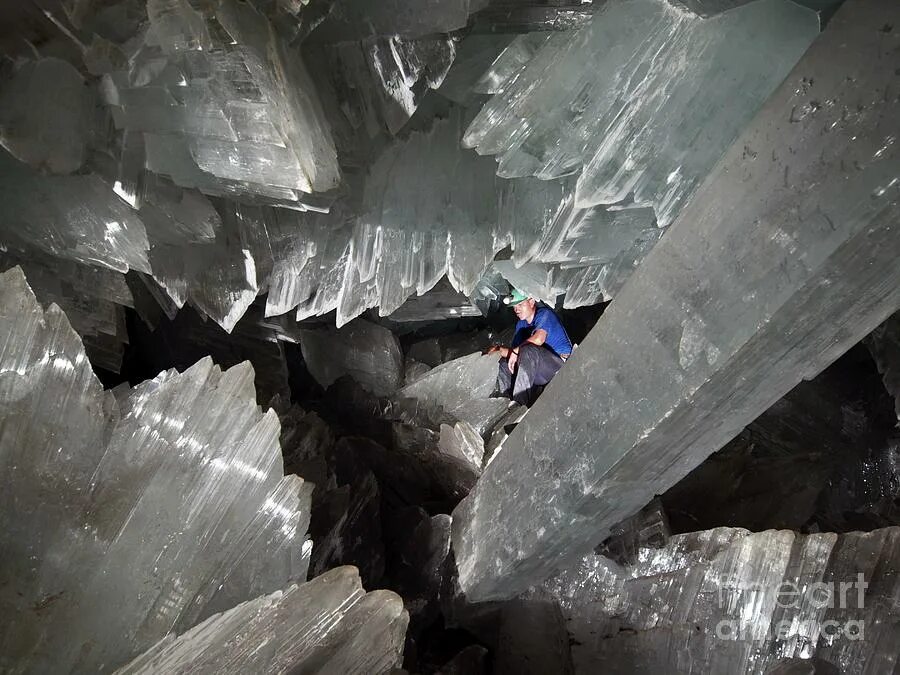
{"points": [[780, 263], [367, 352], [525, 16], [510, 62], [464, 443], [406, 237], [178, 492], [475, 55], [664, 96], [384, 79], [74, 217], [420, 221], [455, 383], [328, 625], [441, 302]]}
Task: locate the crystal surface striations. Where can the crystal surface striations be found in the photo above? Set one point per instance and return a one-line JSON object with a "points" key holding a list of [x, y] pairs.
{"points": [[223, 104], [175, 488], [643, 99], [328, 625]]}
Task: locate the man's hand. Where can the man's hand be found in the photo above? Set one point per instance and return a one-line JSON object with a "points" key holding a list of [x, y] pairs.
{"points": [[511, 363], [493, 349]]}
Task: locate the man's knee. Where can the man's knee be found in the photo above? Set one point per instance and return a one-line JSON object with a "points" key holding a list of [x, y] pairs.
{"points": [[529, 352]]}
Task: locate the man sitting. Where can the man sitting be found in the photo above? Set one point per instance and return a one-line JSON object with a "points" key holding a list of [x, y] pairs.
{"points": [[538, 350]]}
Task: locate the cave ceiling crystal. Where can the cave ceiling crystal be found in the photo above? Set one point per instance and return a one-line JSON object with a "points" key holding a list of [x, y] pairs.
{"points": [[214, 97], [222, 105], [666, 94]]}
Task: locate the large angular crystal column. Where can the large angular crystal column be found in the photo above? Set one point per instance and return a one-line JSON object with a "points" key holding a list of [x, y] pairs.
{"points": [[786, 256]]}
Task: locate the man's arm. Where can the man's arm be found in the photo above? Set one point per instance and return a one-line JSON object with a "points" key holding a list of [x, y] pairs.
{"points": [[538, 337], [511, 354]]}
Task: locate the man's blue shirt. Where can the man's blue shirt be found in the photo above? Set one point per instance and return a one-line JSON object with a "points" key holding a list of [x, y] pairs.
{"points": [[544, 318]]}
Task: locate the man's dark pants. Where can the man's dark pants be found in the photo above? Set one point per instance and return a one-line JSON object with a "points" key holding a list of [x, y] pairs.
{"points": [[534, 368]]}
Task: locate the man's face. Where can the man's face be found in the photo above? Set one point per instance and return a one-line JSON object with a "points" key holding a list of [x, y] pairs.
{"points": [[524, 309]]}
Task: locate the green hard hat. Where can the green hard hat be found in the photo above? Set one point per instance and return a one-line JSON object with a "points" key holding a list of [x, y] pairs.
{"points": [[515, 297]]}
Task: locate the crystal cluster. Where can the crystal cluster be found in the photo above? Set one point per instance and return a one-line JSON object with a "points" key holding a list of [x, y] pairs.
{"points": [[665, 95], [382, 80], [93, 299], [75, 217], [211, 98], [222, 105], [413, 230], [174, 488], [727, 600]]}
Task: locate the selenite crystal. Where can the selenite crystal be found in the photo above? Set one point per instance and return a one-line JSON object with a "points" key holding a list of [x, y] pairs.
{"points": [[45, 115], [174, 488], [475, 55], [462, 442], [728, 600], [220, 276], [93, 299], [510, 62], [365, 351], [73, 217], [441, 302], [523, 16], [455, 383], [483, 414], [781, 262], [328, 625], [223, 104], [406, 238], [413, 229], [502, 429], [665, 94], [386, 77]]}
